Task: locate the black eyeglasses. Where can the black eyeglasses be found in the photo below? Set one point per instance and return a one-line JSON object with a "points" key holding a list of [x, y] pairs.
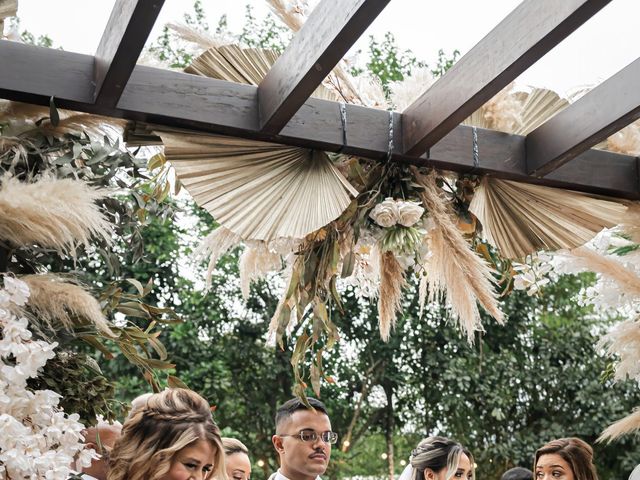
{"points": [[309, 435]]}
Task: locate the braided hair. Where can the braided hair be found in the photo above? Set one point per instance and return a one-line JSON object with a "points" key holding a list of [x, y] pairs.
{"points": [[437, 454], [168, 422]]}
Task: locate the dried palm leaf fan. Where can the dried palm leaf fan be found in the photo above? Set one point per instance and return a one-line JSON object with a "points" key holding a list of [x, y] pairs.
{"points": [[242, 65], [517, 112], [258, 190], [520, 218], [539, 106]]}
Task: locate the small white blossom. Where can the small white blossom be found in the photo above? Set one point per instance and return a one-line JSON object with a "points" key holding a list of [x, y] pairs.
{"points": [[38, 441], [17, 290]]}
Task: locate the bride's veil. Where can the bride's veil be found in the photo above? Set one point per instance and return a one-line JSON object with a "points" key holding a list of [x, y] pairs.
{"points": [[407, 473]]}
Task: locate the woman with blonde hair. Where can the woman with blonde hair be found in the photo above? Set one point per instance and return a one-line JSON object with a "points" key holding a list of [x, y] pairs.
{"points": [[236, 459], [439, 458], [171, 437], [565, 459]]}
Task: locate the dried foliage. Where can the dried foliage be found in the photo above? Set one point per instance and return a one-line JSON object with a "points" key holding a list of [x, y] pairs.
{"points": [[521, 219], [627, 280], [255, 262], [405, 92], [453, 269], [258, 190], [190, 34], [623, 343], [54, 300], [60, 214], [214, 246], [625, 426], [392, 282], [626, 141]]}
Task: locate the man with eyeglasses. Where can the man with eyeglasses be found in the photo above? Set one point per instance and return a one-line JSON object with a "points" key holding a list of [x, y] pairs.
{"points": [[303, 440]]}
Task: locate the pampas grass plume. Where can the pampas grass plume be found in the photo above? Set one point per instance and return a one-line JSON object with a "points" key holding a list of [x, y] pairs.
{"points": [[452, 268], [392, 282], [405, 92], [60, 214], [214, 246], [629, 424], [255, 262], [55, 300], [626, 279], [623, 341]]}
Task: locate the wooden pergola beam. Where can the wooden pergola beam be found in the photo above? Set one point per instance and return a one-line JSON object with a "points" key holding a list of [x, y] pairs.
{"points": [[329, 32], [194, 102], [609, 107], [123, 39], [523, 37]]}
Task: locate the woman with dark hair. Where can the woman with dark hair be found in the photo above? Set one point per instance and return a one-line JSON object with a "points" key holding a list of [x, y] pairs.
{"points": [[439, 458], [565, 459], [171, 435]]}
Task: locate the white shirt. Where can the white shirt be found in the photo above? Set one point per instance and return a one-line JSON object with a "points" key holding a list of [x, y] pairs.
{"points": [[635, 475], [279, 476]]}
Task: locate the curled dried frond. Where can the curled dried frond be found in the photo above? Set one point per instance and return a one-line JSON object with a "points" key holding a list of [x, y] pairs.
{"points": [[452, 267], [214, 246], [625, 426], [60, 214], [392, 282], [56, 301]]}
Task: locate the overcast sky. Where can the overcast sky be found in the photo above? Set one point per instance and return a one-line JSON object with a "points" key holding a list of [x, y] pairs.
{"points": [[601, 47]]}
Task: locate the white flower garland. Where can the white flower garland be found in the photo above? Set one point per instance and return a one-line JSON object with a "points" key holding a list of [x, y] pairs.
{"points": [[38, 440], [607, 295]]}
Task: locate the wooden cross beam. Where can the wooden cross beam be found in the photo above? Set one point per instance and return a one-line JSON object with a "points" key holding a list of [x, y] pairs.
{"points": [[193, 102], [610, 106], [123, 39], [331, 29], [523, 37]]}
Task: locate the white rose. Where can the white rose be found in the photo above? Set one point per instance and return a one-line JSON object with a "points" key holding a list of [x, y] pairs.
{"points": [[409, 213], [385, 213]]}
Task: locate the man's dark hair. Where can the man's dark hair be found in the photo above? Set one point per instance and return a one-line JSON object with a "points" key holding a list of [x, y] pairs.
{"points": [[517, 473], [289, 407]]}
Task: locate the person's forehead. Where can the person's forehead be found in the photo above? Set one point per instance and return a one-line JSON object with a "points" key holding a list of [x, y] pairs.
{"points": [[201, 447], [551, 459], [464, 462], [311, 419], [239, 460]]}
